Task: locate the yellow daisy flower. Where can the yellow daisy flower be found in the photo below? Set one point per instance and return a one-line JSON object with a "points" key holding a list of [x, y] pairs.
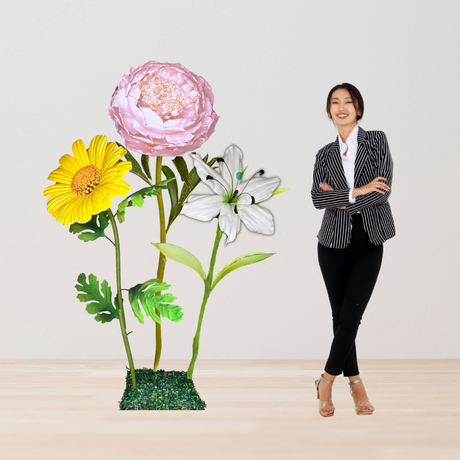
{"points": [[86, 182]]}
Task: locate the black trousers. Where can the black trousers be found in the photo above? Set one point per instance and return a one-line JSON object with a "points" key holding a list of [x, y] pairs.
{"points": [[350, 275]]}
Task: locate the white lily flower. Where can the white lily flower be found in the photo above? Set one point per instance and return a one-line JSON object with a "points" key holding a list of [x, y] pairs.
{"points": [[235, 200]]}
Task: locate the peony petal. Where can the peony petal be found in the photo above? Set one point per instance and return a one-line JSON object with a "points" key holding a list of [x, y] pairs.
{"points": [[229, 222], [257, 219], [233, 163], [202, 207], [218, 185], [260, 188]]}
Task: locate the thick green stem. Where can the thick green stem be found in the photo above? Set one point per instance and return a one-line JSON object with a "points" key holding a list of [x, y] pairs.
{"points": [[121, 313], [161, 260], [207, 293]]}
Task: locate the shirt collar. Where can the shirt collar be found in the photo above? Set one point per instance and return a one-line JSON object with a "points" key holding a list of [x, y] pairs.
{"points": [[352, 141]]}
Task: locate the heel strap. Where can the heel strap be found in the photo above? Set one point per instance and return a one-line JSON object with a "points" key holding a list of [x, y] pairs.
{"points": [[325, 380], [355, 381]]}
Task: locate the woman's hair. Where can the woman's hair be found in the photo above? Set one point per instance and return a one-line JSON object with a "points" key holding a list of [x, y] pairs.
{"points": [[356, 97]]}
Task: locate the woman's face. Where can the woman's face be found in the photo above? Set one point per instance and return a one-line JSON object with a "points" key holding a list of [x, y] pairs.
{"points": [[342, 110]]}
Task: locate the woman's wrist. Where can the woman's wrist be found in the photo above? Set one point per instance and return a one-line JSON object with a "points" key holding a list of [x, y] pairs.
{"points": [[356, 192]]}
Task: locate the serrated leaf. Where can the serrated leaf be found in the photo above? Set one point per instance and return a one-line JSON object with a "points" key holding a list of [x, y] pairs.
{"points": [[95, 231], [145, 294], [145, 165], [136, 167], [100, 300], [246, 259], [182, 256]]}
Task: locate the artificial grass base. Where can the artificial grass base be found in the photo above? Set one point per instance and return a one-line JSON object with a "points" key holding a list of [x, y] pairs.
{"points": [[160, 390]]}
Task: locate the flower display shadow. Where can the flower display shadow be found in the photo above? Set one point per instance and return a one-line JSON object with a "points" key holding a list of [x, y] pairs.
{"points": [[160, 390]]}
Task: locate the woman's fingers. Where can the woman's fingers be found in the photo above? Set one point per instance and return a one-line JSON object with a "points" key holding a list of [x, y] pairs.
{"points": [[325, 186]]}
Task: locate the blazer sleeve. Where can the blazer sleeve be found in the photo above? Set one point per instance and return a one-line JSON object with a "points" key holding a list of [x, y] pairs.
{"points": [[384, 169], [331, 199]]}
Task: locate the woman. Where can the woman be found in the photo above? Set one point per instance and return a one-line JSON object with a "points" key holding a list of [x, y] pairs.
{"points": [[351, 181]]}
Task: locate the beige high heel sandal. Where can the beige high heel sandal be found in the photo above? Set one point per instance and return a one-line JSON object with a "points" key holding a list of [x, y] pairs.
{"points": [[325, 405], [361, 407]]}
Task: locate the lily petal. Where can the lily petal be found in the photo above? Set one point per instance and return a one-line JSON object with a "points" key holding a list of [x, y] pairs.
{"points": [[204, 171], [261, 188], [203, 207], [229, 222], [257, 219], [233, 158]]}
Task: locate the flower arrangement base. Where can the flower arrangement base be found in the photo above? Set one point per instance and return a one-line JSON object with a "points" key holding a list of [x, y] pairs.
{"points": [[160, 390]]}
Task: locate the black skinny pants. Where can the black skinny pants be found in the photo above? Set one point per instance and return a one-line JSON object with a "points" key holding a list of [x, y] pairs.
{"points": [[350, 275]]}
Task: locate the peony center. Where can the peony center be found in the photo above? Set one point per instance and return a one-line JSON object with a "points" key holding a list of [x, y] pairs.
{"points": [[165, 97], [86, 180]]}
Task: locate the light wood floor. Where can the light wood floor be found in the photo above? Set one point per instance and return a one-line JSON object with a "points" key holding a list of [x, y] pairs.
{"points": [[257, 410]]}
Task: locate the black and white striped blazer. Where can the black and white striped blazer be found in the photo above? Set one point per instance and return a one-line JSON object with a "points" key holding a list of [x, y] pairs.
{"points": [[373, 159]]}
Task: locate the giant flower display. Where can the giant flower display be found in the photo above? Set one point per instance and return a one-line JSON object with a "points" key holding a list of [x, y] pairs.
{"points": [[86, 182], [163, 109]]}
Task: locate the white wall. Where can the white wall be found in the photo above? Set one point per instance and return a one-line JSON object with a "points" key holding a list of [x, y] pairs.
{"points": [[270, 65]]}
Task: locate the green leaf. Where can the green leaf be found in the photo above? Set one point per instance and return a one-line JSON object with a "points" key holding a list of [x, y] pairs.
{"points": [[241, 261], [145, 165], [279, 190], [136, 167], [187, 189], [181, 167], [146, 295], [136, 199], [96, 231], [182, 256], [101, 304], [172, 189]]}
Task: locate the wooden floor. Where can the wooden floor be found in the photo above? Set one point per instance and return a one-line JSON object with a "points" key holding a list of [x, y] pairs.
{"points": [[257, 410]]}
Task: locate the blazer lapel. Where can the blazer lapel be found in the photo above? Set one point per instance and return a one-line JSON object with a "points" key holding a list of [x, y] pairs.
{"points": [[335, 166], [361, 154]]}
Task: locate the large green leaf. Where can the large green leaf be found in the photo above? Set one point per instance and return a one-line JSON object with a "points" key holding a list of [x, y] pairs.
{"points": [[101, 300], [241, 261], [187, 188], [182, 256], [136, 167], [95, 231], [145, 294]]}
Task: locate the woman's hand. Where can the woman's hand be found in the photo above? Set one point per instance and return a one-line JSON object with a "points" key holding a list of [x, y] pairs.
{"points": [[374, 186], [328, 188]]}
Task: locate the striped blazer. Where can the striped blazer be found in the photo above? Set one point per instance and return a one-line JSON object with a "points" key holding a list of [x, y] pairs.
{"points": [[373, 159]]}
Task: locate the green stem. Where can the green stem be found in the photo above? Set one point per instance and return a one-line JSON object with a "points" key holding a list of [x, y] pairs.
{"points": [[161, 260], [121, 313], [207, 293]]}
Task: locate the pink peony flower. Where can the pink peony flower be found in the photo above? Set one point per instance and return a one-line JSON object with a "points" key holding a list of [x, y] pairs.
{"points": [[163, 109]]}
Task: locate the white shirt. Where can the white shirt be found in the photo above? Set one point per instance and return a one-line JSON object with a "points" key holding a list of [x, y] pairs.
{"points": [[348, 160]]}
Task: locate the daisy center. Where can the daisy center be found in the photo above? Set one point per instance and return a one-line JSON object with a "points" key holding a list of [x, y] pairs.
{"points": [[86, 180], [165, 97]]}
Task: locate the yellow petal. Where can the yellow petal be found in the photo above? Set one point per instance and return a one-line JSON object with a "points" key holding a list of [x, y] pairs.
{"points": [[61, 175], [69, 163], [80, 153], [99, 194], [108, 176], [57, 201], [57, 189], [96, 150]]}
